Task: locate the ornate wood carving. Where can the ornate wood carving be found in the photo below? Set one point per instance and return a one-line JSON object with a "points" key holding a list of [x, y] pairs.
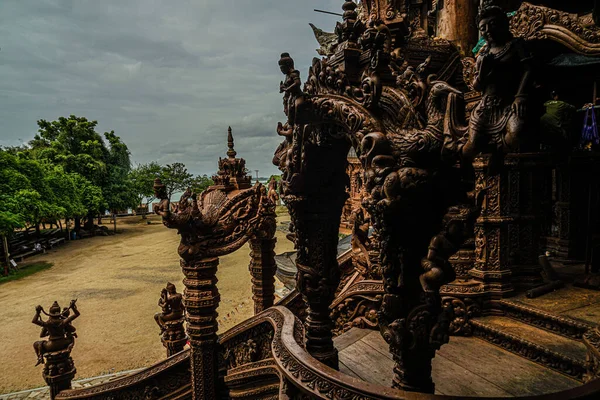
{"points": [[167, 376], [216, 222], [263, 268], [541, 23], [171, 320], [592, 340], [55, 352], [553, 323], [357, 305], [401, 153], [530, 350]]}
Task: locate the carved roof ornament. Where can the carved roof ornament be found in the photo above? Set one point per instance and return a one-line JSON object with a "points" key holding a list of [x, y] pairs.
{"points": [[351, 28], [231, 152], [232, 174], [533, 22], [223, 217], [390, 11]]}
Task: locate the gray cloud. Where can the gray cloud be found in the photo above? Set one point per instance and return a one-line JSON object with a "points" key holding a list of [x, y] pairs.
{"points": [[168, 76]]}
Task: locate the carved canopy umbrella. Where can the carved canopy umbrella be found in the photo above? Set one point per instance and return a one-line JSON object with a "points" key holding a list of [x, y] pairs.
{"points": [[213, 223]]}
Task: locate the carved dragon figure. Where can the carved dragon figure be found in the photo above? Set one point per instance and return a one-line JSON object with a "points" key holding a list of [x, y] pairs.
{"points": [[215, 224]]}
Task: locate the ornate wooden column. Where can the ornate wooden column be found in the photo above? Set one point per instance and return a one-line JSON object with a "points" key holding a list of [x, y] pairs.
{"points": [[316, 211], [262, 268], [492, 266], [201, 299], [213, 223], [508, 230]]}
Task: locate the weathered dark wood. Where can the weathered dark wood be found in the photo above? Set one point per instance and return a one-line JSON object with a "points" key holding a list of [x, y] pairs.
{"points": [[451, 378], [559, 344], [464, 367], [213, 223], [520, 377]]}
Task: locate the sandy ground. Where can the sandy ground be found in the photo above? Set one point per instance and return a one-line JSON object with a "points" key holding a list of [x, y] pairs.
{"points": [[117, 281]]}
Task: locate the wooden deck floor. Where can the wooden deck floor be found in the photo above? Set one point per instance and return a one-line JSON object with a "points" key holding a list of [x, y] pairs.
{"points": [[463, 367]]}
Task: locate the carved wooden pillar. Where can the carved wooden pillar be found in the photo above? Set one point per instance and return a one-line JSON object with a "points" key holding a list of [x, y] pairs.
{"points": [[316, 214], [508, 230], [526, 191], [174, 337], [201, 299], [455, 22], [262, 269], [59, 371], [318, 273], [492, 229]]}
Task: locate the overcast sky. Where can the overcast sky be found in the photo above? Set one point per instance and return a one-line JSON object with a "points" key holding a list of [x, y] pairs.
{"points": [[168, 76]]}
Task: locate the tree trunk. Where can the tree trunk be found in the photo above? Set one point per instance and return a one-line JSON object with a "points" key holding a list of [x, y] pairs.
{"points": [[67, 228], [115, 221], [6, 255], [60, 225], [99, 219], [89, 222], [37, 230], [77, 224]]}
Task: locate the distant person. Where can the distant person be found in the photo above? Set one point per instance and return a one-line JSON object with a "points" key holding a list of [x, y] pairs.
{"points": [[557, 123]]}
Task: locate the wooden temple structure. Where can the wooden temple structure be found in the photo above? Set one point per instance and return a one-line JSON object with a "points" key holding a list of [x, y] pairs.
{"points": [[466, 215]]}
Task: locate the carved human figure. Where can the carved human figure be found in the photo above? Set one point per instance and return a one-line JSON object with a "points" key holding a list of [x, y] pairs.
{"points": [[171, 303], [61, 334], [272, 194], [160, 192], [360, 236], [503, 75], [291, 87]]}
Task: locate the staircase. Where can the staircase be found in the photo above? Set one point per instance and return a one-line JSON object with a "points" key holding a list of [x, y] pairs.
{"points": [[549, 340]]}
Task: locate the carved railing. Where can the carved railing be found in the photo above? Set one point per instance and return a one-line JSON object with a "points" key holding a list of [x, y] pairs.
{"points": [[264, 358]]}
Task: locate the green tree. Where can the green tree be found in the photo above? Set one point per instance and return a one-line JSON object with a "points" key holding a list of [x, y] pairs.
{"points": [[277, 178], [74, 144], [200, 183], [24, 190], [176, 178], [142, 179]]}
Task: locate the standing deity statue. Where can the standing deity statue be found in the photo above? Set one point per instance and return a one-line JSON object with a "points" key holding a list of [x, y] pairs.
{"points": [[171, 303], [160, 192], [503, 76], [61, 334], [291, 87], [272, 193]]}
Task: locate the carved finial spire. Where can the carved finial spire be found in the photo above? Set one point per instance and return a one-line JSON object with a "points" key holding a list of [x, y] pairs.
{"points": [[231, 152], [351, 28]]}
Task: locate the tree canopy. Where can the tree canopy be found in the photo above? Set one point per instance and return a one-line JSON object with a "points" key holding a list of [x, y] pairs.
{"points": [[176, 178], [69, 170]]}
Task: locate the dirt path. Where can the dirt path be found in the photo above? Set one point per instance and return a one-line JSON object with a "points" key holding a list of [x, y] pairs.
{"points": [[117, 281]]}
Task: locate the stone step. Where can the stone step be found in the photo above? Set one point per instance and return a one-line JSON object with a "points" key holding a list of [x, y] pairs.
{"points": [[566, 327], [551, 350]]}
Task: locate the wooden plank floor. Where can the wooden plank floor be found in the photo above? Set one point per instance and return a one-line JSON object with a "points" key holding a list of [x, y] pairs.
{"points": [[463, 367]]}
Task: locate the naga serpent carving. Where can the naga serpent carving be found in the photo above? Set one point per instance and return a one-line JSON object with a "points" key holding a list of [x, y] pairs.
{"points": [[396, 124], [213, 223]]}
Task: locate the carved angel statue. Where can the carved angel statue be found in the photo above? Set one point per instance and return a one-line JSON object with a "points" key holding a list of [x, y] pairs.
{"points": [[503, 74], [61, 334], [291, 87], [171, 303]]}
